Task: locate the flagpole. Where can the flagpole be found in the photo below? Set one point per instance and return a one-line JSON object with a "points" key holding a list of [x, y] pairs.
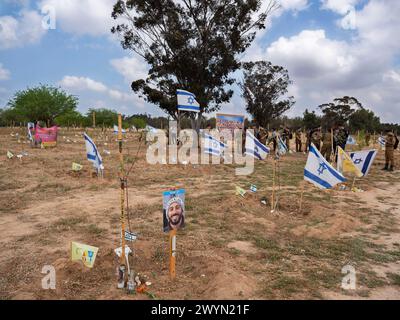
{"points": [[354, 181], [273, 187], [122, 272]]}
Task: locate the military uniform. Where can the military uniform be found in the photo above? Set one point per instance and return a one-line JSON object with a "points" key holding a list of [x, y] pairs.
{"points": [[326, 149], [389, 151], [316, 138], [298, 141], [367, 138]]}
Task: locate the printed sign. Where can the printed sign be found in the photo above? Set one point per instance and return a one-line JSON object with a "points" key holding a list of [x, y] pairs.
{"points": [[173, 210], [253, 188], [47, 137], [82, 252], [240, 191], [130, 236], [229, 121]]}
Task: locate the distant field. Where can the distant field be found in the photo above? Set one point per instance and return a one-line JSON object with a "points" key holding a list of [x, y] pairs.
{"points": [[231, 248]]}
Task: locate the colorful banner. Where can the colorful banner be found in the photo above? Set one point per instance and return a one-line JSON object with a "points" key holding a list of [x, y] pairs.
{"points": [[229, 121], [46, 136], [82, 252]]}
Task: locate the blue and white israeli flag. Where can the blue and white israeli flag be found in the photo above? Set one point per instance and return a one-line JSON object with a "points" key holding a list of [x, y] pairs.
{"points": [[351, 140], [116, 129], [382, 141], [213, 146], [187, 101], [319, 172], [282, 147], [363, 159], [93, 154], [254, 147]]}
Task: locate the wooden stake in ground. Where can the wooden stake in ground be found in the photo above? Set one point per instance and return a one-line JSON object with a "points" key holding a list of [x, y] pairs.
{"points": [[273, 188], [354, 182], [301, 197], [172, 253], [122, 272], [94, 119]]}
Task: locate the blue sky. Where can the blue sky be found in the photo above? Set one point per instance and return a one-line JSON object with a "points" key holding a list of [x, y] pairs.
{"points": [[330, 47]]}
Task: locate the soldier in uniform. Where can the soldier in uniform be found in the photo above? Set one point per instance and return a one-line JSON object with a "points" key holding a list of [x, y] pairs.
{"points": [[389, 150], [327, 145], [316, 137], [367, 138], [298, 140]]}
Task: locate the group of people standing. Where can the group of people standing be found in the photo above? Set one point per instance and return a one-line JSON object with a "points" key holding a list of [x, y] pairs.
{"points": [[326, 140]]}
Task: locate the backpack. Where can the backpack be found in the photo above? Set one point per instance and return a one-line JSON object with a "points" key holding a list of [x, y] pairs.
{"points": [[396, 144]]}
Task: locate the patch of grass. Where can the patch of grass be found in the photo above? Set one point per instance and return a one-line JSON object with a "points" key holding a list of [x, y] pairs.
{"points": [[288, 285], [394, 278], [93, 229]]}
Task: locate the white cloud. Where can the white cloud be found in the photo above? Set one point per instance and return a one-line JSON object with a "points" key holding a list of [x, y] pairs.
{"points": [[24, 29], [295, 5], [339, 6], [132, 68], [83, 17], [4, 73], [82, 83], [311, 54]]}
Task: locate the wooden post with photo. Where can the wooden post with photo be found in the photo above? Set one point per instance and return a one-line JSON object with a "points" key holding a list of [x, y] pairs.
{"points": [[173, 220], [122, 272]]}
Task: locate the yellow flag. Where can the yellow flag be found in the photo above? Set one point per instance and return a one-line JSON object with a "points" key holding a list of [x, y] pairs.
{"points": [[82, 252], [240, 191], [9, 155], [345, 164], [76, 166]]}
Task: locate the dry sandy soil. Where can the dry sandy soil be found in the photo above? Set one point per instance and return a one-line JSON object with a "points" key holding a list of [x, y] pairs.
{"points": [[231, 248]]}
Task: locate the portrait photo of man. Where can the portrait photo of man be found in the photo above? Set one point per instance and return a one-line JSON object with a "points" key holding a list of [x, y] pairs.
{"points": [[173, 210]]}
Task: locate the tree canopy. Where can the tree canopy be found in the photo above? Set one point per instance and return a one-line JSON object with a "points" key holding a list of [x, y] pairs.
{"points": [[190, 44], [263, 89], [339, 111], [42, 103]]}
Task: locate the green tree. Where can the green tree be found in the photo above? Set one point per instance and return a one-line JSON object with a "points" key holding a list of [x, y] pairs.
{"points": [[264, 87], [71, 118], [193, 45], [364, 120], [104, 116], [139, 123], [311, 120], [43, 103], [339, 111]]}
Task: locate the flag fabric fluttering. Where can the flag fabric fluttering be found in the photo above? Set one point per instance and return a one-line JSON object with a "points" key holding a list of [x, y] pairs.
{"points": [[82, 252], [255, 148], [346, 164], [351, 140], [213, 146], [116, 129], [382, 141], [93, 155], [363, 159], [282, 147], [31, 126], [187, 101], [319, 172]]}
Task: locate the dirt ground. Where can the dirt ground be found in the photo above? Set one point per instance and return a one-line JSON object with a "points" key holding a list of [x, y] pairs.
{"points": [[231, 248]]}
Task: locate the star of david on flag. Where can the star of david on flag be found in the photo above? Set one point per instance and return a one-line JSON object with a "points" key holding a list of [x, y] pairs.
{"points": [[187, 101], [363, 159], [93, 154], [254, 147], [319, 172], [213, 146]]}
